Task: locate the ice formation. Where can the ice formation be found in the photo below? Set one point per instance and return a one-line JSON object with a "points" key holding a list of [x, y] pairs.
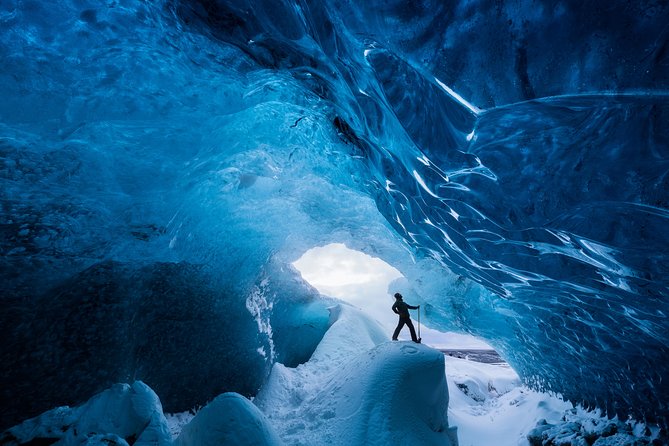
{"points": [[123, 414], [162, 164], [357, 388]]}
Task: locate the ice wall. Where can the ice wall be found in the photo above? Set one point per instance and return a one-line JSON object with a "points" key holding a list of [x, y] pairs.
{"points": [[166, 161]]}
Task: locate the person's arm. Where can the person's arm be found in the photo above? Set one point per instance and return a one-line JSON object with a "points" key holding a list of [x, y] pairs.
{"points": [[395, 308], [413, 307]]}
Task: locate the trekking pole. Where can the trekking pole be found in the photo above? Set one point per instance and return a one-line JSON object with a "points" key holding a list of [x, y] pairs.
{"points": [[419, 338]]}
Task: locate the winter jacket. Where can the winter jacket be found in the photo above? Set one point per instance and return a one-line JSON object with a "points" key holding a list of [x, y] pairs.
{"points": [[402, 308]]}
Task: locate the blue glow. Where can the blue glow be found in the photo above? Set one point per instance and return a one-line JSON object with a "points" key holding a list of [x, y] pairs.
{"points": [[165, 162]]}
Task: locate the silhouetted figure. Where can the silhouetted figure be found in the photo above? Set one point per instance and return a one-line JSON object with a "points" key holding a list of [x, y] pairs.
{"points": [[402, 308]]}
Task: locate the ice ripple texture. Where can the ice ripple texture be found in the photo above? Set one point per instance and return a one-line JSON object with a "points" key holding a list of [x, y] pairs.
{"points": [[225, 134]]}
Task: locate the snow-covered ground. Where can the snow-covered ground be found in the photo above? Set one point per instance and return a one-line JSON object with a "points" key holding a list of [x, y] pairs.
{"points": [[490, 406], [358, 388]]}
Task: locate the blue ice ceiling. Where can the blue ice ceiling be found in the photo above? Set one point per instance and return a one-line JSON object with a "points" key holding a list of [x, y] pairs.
{"points": [[163, 162]]}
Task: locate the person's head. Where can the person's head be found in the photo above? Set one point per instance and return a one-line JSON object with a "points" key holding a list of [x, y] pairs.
{"points": [[398, 296]]}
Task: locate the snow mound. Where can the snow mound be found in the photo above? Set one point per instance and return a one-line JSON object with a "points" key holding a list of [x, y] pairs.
{"points": [[229, 419], [360, 388], [123, 414]]}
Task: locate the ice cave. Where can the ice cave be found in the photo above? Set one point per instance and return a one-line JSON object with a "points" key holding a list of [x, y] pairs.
{"points": [[163, 165]]}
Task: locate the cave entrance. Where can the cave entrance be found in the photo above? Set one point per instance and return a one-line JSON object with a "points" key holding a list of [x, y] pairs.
{"points": [[352, 276], [364, 281]]}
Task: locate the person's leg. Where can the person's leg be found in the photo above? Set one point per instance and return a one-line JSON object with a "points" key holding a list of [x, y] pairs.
{"points": [[412, 330], [400, 324]]}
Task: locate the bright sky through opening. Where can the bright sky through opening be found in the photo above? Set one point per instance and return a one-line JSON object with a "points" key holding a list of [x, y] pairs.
{"points": [[362, 280]]}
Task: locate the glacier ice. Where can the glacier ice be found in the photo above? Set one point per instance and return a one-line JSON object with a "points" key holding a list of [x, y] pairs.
{"points": [[132, 414], [123, 414], [163, 163], [174, 325]]}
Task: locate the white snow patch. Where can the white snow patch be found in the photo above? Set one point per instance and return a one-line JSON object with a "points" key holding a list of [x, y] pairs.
{"points": [[360, 388], [490, 406]]}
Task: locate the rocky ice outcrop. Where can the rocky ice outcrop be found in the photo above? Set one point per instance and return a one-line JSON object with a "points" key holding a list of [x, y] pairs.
{"points": [[121, 415]]}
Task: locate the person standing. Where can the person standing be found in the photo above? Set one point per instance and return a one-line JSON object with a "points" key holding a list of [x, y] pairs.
{"points": [[402, 309]]}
